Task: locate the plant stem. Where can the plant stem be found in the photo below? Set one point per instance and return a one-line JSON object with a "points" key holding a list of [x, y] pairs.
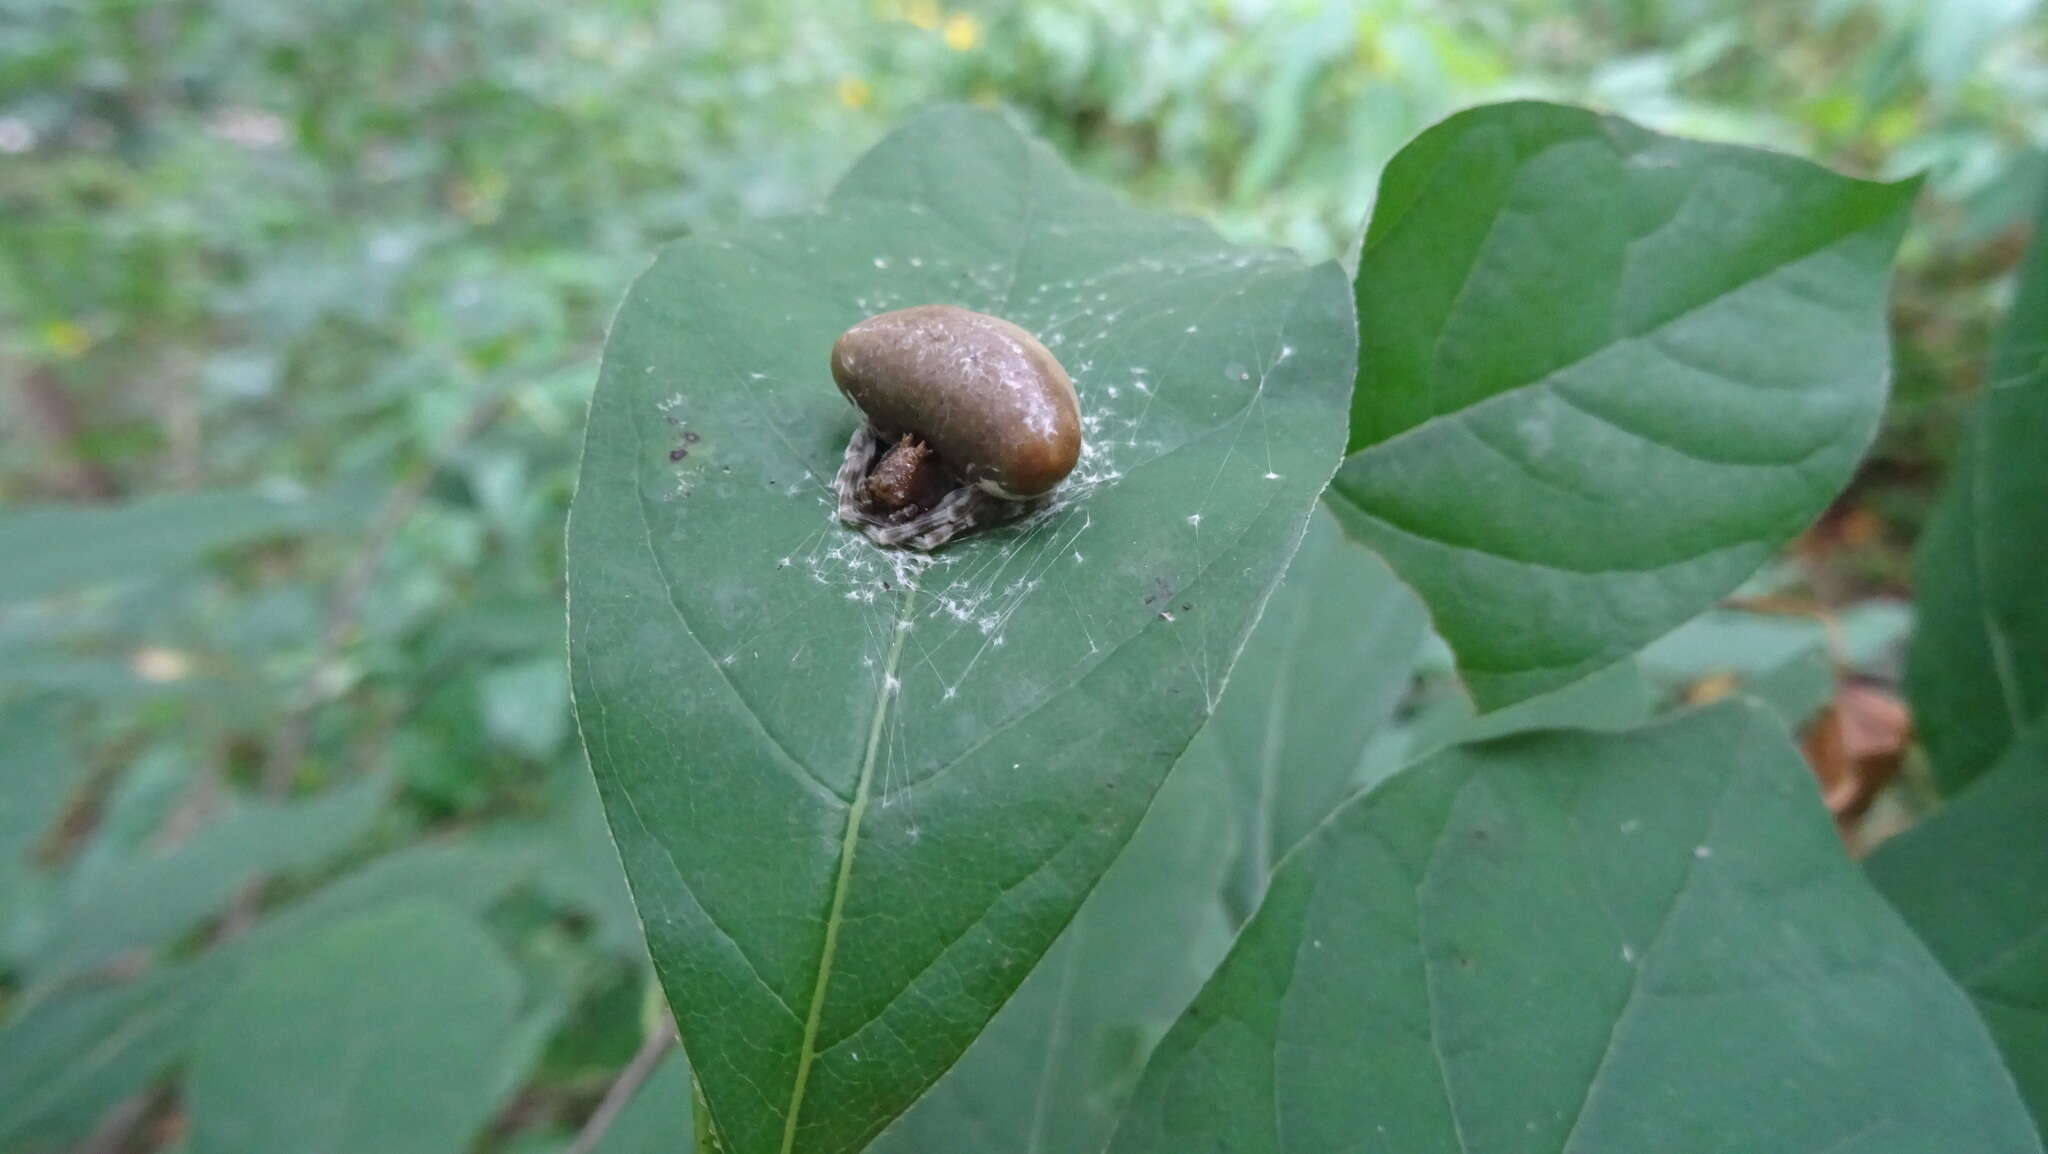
{"points": [[626, 1085]]}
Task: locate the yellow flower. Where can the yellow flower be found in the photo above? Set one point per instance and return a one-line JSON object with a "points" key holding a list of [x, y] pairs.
{"points": [[854, 92], [67, 338], [962, 32], [923, 13]]}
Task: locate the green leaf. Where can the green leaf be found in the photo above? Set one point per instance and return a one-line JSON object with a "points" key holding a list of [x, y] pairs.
{"points": [[1580, 942], [579, 868], [1322, 671], [1973, 881], [1977, 674], [1617, 697], [1782, 660], [67, 1059], [1054, 1067], [39, 771], [150, 897], [381, 1033], [1798, 690], [1322, 674], [463, 873], [55, 549], [526, 706], [1731, 642], [134, 808], [1605, 374], [859, 792]]}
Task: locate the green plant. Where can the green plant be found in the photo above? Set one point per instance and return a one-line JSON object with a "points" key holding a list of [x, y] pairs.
{"points": [[300, 308], [1597, 377]]}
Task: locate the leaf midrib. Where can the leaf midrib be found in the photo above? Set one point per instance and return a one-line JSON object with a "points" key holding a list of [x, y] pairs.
{"points": [[849, 842], [807, 1050]]}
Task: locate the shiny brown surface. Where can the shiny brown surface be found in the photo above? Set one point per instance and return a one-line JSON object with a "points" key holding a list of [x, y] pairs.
{"points": [[991, 400]]}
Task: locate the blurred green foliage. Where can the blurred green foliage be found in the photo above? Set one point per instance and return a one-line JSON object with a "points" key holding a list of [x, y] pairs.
{"points": [[325, 284]]}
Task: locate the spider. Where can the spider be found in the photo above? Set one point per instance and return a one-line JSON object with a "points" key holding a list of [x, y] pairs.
{"points": [[970, 422]]}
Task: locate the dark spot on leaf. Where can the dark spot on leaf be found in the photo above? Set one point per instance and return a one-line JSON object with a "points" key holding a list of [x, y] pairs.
{"points": [[1186, 607], [678, 454], [690, 438], [1162, 590]]}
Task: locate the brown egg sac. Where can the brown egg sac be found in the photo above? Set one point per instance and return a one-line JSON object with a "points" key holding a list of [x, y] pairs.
{"points": [[995, 407]]}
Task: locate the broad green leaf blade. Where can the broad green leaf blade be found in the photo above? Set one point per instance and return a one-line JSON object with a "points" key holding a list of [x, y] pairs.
{"points": [[1321, 672], [150, 898], [1053, 1069], [1973, 880], [67, 1059], [381, 1033], [1587, 943], [1321, 675], [1977, 674], [858, 793], [54, 549], [463, 873], [1605, 374]]}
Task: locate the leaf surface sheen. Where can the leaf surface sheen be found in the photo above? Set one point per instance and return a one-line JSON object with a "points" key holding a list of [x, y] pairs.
{"points": [[1605, 374], [858, 792]]}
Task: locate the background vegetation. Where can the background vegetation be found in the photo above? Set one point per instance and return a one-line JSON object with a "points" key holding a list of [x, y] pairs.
{"points": [[301, 308]]}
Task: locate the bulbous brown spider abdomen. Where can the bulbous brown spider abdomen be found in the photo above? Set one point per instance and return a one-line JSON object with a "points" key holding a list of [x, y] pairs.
{"points": [[994, 405]]}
